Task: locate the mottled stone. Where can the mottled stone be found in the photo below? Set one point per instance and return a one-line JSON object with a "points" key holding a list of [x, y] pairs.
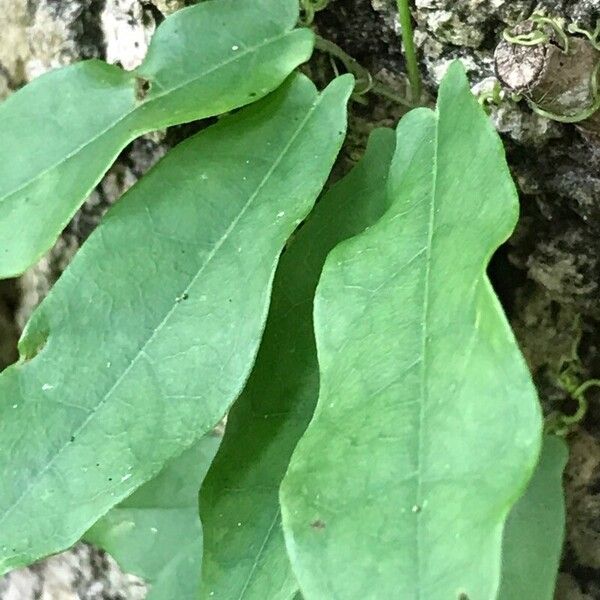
{"points": [[14, 50], [167, 7], [82, 573], [127, 28], [583, 502]]}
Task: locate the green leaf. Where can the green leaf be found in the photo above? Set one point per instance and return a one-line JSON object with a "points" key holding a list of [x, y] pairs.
{"points": [[156, 532], [427, 427], [244, 553], [535, 530], [61, 132], [150, 334]]}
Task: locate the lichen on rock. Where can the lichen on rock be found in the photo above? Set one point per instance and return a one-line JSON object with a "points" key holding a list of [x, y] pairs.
{"points": [[83, 573]]}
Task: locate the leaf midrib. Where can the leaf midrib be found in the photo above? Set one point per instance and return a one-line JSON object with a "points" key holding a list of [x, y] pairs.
{"points": [[138, 106], [259, 555], [424, 389], [77, 432]]}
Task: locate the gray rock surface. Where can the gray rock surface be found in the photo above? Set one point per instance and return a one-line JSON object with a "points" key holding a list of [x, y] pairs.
{"points": [[81, 573], [547, 275]]}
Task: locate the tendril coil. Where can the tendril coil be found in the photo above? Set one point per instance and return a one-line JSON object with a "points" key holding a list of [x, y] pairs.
{"points": [[545, 30]]}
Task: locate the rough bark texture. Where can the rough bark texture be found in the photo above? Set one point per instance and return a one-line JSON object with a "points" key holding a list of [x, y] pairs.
{"points": [[547, 275]]}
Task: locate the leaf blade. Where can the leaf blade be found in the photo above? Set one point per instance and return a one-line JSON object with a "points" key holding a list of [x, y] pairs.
{"points": [[72, 123], [535, 528], [134, 344], [400, 491], [244, 548], [156, 533]]}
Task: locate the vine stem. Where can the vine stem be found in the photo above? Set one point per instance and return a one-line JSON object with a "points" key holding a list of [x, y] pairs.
{"points": [[412, 66], [363, 76]]}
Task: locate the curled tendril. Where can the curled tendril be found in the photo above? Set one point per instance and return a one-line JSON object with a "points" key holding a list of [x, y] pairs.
{"points": [[541, 21], [561, 424], [533, 38], [592, 36], [569, 379], [309, 8], [540, 34], [493, 96]]}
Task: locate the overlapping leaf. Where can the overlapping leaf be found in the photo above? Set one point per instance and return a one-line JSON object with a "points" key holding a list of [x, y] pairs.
{"points": [[245, 553], [150, 334], [427, 427], [59, 134], [156, 532], [535, 529]]}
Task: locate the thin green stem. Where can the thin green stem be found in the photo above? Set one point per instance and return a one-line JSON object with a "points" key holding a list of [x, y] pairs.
{"points": [[309, 8], [410, 54], [364, 80]]}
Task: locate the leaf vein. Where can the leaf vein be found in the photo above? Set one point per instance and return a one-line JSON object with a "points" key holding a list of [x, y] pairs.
{"points": [[173, 308], [259, 554], [424, 390], [110, 127]]}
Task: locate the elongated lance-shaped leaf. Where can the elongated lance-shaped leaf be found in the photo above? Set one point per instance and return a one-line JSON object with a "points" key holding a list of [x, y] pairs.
{"points": [[156, 532], [150, 334], [535, 529], [60, 133], [427, 427], [245, 554]]}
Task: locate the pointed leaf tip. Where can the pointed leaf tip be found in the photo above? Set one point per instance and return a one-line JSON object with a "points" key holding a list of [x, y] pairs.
{"points": [[61, 132]]}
